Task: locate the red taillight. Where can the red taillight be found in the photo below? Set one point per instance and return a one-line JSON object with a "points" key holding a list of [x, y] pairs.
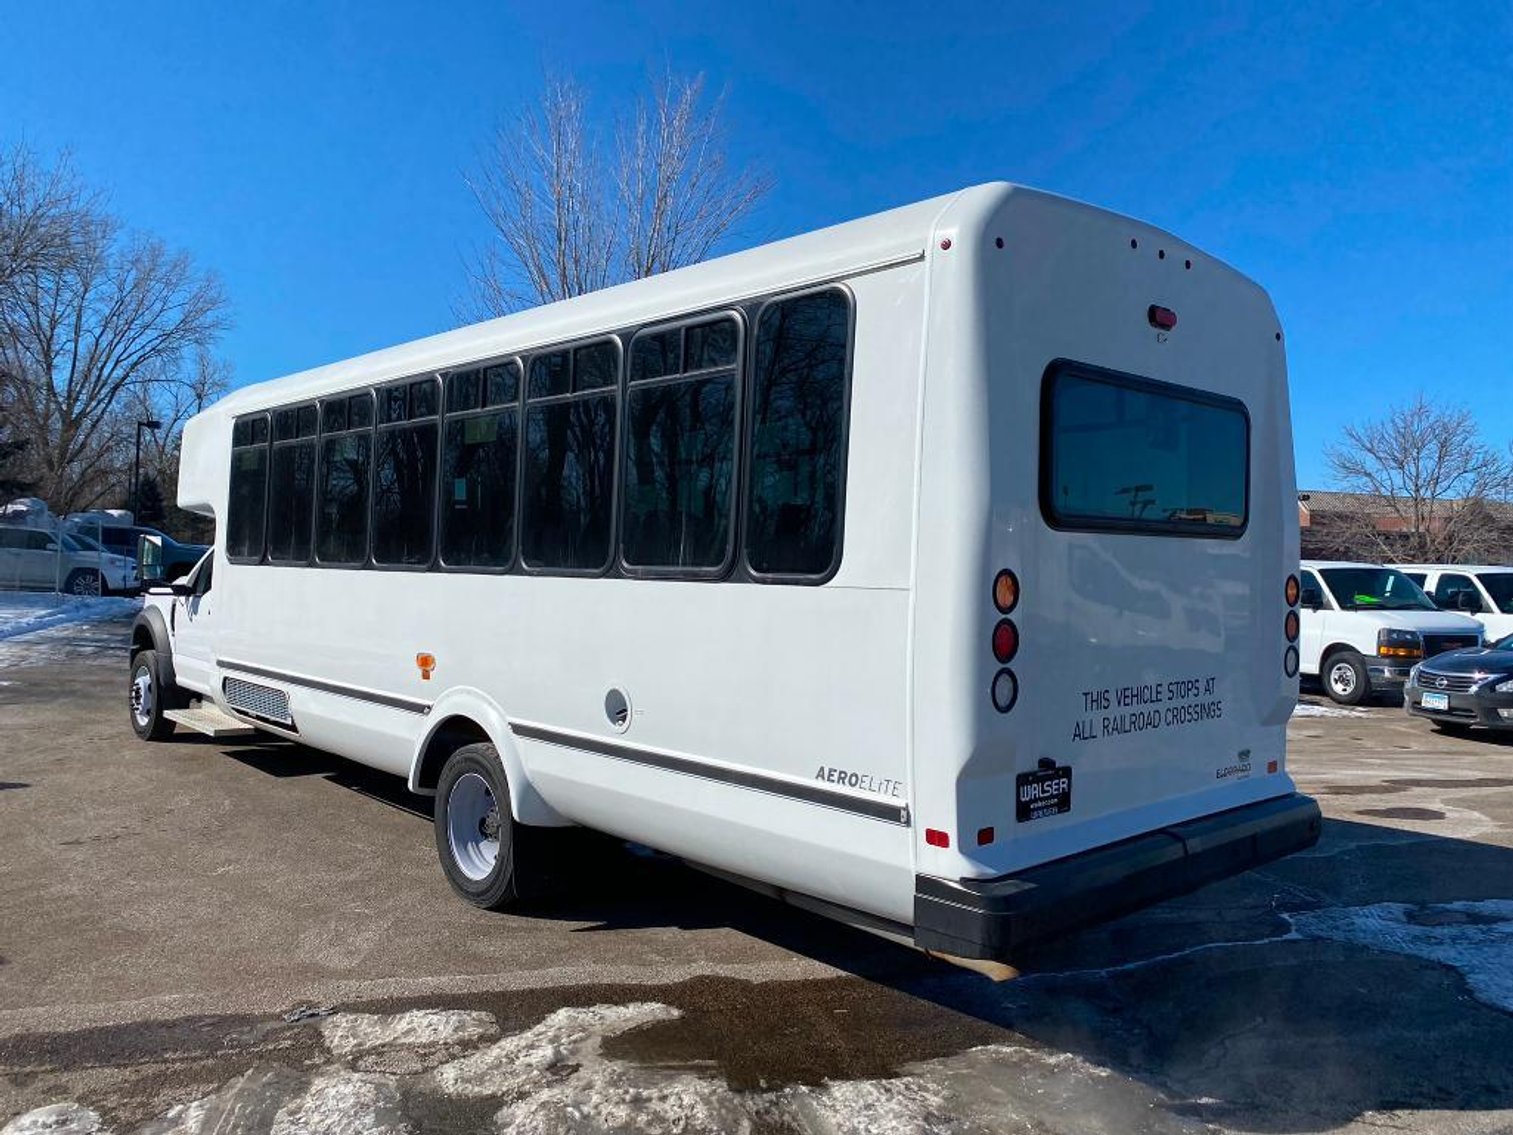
{"points": [[1163, 318], [1290, 626], [1005, 640], [937, 838], [984, 836]]}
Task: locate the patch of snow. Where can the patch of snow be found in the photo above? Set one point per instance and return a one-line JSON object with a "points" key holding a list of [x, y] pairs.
{"points": [[56, 1119], [1475, 938], [22, 614], [349, 1033], [345, 1103], [532, 1059], [1312, 709]]}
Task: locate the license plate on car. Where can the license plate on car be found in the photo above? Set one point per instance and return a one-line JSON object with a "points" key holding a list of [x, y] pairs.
{"points": [[1045, 792], [1435, 701]]}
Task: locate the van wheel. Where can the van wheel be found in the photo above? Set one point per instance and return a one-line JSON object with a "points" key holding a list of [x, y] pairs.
{"points": [[476, 837], [1345, 678], [148, 699], [82, 581]]}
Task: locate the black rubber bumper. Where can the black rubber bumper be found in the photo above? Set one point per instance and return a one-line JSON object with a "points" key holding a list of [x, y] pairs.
{"points": [[994, 919]]}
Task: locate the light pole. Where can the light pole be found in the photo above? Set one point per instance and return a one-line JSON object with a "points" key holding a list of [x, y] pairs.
{"points": [[136, 464]]}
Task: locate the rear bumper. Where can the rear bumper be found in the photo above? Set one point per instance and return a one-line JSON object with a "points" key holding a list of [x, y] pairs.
{"points": [[996, 918]]}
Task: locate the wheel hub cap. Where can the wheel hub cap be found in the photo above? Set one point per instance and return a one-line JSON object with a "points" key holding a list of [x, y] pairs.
{"points": [[141, 696], [473, 826]]}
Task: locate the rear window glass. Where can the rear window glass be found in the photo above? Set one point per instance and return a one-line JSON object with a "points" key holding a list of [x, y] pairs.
{"points": [[1125, 454]]}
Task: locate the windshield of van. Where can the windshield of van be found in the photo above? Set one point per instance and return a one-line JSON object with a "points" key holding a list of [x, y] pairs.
{"points": [[1374, 589], [1499, 585]]}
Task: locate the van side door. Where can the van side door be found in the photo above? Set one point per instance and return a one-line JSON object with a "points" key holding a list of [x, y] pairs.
{"points": [[1312, 623]]}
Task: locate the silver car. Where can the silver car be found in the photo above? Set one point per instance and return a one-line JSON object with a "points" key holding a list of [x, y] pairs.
{"points": [[33, 558]]}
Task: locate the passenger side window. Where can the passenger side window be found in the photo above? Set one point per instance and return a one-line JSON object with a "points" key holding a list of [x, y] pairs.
{"points": [[798, 408], [678, 472], [246, 503], [404, 477], [570, 425], [480, 453], [291, 501], [346, 449], [1456, 592]]}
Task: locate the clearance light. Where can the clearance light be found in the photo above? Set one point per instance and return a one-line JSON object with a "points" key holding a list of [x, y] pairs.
{"points": [[937, 838], [1271, 767], [1290, 662], [1005, 591], [1161, 318], [1292, 591], [1005, 640], [1005, 690], [1290, 626]]}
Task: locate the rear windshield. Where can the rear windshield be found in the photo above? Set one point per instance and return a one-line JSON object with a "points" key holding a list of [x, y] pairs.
{"points": [[1374, 589], [1499, 585], [1120, 453]]}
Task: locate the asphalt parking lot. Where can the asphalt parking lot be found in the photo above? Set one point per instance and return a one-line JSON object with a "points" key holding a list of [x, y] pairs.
{"points": [[208, 937]]}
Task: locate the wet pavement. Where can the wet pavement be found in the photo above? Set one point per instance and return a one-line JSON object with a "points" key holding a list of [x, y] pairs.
{"points": [[204, 937]]}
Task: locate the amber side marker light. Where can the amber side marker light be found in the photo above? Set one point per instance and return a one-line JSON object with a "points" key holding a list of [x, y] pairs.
{"points": [[1292, 591], [1005, 591]]}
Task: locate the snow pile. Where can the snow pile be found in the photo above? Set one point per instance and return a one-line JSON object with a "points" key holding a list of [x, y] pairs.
{"points": [[1475, 938], [349, 1033], [56, 1119], [22, 614], [345, 1103], [1309, 709]]}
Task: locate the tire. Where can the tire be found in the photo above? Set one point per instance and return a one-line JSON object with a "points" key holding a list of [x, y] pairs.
{"points": [[473, 803], [147, 699], [1345, 678], [83, 581]]}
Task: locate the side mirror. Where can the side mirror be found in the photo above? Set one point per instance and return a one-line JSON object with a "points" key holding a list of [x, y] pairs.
{"points": [[1311, 598], [164, 587]]}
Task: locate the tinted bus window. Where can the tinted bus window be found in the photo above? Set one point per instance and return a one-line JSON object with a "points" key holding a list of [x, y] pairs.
{"points": [[404, 473], [291, 495], [678, 473], [247, 497], [341, 515], [478, 489], [569, 477], [1124, 454], [798, 428]]}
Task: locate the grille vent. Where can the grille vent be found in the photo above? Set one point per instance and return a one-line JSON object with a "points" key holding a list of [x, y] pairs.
{"points": [[259, 701]]}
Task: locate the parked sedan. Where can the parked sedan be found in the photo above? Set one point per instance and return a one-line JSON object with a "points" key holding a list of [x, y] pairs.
{"points": [[1464, 688]]}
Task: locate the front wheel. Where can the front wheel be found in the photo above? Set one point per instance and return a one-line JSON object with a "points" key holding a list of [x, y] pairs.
{"points": [[1345, 678], [147, 699], [476, 837], [83, 581]]}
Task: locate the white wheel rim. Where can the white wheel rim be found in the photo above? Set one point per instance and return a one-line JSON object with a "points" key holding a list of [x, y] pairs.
{"points": [[141, 696], [473, 826], [1342, 679]]}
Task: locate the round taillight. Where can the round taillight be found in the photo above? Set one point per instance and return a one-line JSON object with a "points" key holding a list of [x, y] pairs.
{"points": [[1290, 625], [1292, 591], [1290, 662], [1005, 591], [1005, 640], [1005, 690]]}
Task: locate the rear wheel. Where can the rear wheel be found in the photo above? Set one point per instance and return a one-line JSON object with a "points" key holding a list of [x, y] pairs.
{"points": [[1345, 678], [148, 699], [82, 581], [476, 837]]}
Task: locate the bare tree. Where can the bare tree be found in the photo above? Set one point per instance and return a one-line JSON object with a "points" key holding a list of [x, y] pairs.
{"points": [[572, 212], [40, 211], [1438, 494], [104, 321]]}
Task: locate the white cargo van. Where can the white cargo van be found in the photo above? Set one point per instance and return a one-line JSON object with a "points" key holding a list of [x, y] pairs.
{"points": [[1485, 592], [934, 571], [1365, 626]]}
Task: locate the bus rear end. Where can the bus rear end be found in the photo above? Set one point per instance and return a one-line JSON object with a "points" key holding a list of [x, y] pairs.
{"points": [[1104, 657]]}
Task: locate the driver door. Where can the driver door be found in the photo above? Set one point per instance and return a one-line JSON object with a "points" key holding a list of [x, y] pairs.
{"points": [[191, 623]]}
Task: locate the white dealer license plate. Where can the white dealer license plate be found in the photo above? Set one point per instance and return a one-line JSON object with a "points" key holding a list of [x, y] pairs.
{"points": [[1435, 701]]}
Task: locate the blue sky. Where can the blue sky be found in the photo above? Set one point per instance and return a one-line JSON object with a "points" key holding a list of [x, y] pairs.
{"points": [[1355, 159]]}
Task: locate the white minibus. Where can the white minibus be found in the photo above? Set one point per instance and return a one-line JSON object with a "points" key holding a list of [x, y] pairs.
{"points": [[936, 571]]}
